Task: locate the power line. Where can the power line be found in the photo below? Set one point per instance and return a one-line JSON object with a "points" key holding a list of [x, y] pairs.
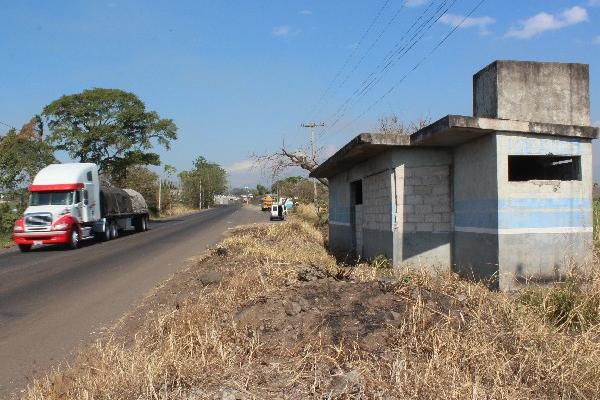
{"points": [[351, 55], [368, 51], [415, 67], [7, 125], [364, 87], [376, 77]]}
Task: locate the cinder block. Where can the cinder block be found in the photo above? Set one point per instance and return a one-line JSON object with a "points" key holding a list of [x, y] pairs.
{"points": [[433, 218], [441, 189], [413, 180], [408, 227], [424, 227], [423, 209], [442, 227], [407, 209], [414, 218], [442, 208], [422, 189], [414, 199]]}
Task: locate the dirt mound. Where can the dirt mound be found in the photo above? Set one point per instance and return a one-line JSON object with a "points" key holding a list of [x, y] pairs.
{"points": [[356, 314]]}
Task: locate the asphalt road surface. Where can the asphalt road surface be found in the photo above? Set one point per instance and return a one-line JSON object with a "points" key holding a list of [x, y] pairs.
{"points": [[52, 300]]}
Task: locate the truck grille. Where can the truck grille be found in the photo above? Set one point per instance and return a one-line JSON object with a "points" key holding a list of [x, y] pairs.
{"points": [[39, 222]]}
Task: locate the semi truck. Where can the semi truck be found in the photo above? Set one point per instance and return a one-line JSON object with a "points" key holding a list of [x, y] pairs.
{"points": [[69, 204]]}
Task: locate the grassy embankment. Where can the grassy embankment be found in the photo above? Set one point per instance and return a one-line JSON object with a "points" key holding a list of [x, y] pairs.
{"points": [[277, 318]]}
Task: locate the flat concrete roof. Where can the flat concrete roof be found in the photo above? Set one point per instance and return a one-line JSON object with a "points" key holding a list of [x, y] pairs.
{"points": [[449, 131], [359, 149]]}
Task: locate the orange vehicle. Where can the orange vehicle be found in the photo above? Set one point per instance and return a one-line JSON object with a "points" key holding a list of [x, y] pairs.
{"points": [[267, 202]]}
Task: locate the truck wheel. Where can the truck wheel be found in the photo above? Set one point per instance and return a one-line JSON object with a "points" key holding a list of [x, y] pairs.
{"points": [[74, 238], [114, 230], [24, 248], [144, 223], [138, 222]]}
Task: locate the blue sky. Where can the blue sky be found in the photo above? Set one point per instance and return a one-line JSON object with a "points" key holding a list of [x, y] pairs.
{"points": [[239, 77]]}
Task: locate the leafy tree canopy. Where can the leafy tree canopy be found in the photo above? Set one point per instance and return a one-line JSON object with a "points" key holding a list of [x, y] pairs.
{"points": [[21, 158], [206, 177], [261, 190], [109, 127]]}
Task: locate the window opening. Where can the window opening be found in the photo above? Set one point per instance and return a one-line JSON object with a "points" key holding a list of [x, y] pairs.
{"points": [[548, 167]]}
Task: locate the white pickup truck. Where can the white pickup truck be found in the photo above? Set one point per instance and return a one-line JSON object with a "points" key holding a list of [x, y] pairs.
{"points": [[67, 204]]}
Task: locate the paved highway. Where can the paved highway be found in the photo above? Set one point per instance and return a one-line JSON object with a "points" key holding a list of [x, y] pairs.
{"points": [[52, 300]]}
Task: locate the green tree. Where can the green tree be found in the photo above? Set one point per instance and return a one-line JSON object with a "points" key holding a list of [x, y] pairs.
{"points": [[109, 127], [21, 158], [206, 176], [142, 180], [261, 190]]}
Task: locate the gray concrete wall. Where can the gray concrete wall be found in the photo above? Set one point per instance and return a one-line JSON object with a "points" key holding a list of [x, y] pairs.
{"points": [[544, 226], [533, 91], [372, 234], [475, 250], [340, 231], [422, 214]]}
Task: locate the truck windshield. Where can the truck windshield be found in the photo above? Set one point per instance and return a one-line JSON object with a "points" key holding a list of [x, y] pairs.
{"points": [[51, 198]]}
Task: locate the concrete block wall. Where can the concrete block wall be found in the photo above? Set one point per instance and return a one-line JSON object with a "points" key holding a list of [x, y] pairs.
{"points": [[377, 201], [423, 202], [347, 231], [422, 212], [340, 231]]}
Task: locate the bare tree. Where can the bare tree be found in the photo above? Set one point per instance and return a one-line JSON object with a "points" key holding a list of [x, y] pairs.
{"points": [[393, 124], [284, 158]]}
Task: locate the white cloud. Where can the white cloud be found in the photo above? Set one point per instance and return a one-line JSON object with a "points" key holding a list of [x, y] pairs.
{"points": [[241, 166], [305, 12], [282, 30], [469, 22], [414, 3], [543, 21]]}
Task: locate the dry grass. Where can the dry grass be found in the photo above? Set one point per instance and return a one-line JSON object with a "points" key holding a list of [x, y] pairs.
{"points": [[310, 214], [452, 339], [177, 210]]}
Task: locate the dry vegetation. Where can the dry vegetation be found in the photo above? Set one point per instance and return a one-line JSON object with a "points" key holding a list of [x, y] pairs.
{"points": [[177, 210], [269, 314]]}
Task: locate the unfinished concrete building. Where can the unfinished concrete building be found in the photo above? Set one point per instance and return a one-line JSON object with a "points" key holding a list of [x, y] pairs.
{"points": [[505, 195]]}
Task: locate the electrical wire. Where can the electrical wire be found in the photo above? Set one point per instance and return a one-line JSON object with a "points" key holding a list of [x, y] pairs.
{"points": [[415, 67]]}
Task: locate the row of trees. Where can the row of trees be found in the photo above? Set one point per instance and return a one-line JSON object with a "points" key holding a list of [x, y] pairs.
{"points": [[113, 129]]}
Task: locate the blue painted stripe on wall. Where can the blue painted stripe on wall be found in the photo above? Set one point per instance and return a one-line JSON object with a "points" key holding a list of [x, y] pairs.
{"points": [[532, 219], [524, 213], [527, 203]]}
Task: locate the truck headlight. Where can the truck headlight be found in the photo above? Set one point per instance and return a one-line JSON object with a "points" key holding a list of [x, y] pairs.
{"points": [[18, 228], [60, 227]]}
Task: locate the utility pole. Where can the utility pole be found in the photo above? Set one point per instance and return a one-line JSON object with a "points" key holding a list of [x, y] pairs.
{"points": [[312, 126], [159, 193], [200, 196]]}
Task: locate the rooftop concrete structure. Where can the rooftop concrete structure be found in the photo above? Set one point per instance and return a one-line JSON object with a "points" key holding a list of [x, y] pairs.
{"points": [[504, 196], [555, 93]]}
